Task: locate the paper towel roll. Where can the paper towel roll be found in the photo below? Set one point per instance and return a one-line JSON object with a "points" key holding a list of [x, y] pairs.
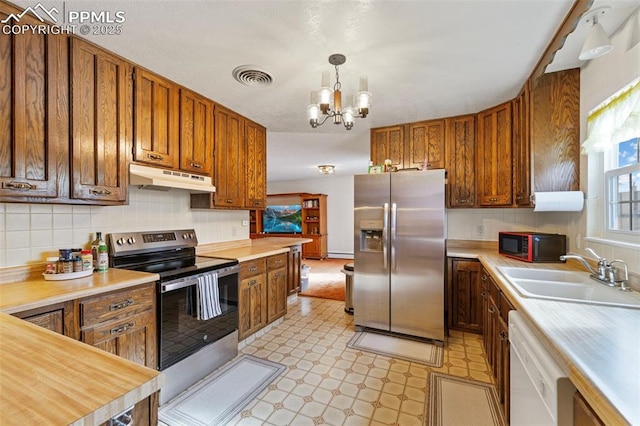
{"points": [[558, 201]]}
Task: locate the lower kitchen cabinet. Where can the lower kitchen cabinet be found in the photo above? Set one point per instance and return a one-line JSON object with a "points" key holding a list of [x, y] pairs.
{"points": [[464, 295], [59, 318], [276, 287], [495, 328], [294, 264], [252, 304], [123, 323], [583, 414]]}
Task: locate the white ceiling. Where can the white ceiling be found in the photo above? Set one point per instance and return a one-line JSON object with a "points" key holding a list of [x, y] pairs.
{"points": [[424, 59]]}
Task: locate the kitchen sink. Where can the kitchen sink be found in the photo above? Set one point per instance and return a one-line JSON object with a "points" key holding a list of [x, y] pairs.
{"points": [[570, 286]]}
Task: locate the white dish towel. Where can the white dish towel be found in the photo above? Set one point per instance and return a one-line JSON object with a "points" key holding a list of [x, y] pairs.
{"points": [[208, 299]]}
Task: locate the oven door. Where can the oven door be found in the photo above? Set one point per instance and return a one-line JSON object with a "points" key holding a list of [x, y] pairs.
{"points": [[181, 333]]}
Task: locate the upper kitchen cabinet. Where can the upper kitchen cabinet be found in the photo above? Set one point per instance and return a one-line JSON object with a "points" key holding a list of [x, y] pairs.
{"points": [[33, 114], [229, 157], [494, 157], [555, 131], [196, 133], [426, 143], [157, 103], [256, 160], [387, 143], [521, 149], [461, 146], [101, 99]]}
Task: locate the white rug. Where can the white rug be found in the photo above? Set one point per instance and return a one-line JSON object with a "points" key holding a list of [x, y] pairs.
{"points": [[454, 401], [219, 397], [396, 347]]}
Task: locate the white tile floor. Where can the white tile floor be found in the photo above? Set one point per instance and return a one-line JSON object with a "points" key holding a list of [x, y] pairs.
{"points": [[327, 383]]}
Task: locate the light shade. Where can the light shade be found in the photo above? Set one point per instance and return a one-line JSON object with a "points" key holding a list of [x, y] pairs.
{"points": [[326, 169], [597, 42]]}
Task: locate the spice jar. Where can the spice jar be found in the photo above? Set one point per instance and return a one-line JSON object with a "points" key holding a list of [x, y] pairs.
{"points": [[87, 260], [52, 265], [77, 264], [65, 254], [65, 266]]}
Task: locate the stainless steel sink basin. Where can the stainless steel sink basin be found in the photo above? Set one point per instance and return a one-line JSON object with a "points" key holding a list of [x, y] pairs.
{"points": [[570, 286]]}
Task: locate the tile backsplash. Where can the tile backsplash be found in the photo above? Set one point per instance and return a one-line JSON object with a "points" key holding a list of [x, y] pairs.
{"points": [[31, 232]]}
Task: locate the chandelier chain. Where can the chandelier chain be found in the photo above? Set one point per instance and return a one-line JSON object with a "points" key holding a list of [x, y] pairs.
{"points": [[337, 85]]}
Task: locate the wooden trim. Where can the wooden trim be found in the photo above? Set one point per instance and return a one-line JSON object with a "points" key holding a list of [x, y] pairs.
{"points": [[579, 8]]}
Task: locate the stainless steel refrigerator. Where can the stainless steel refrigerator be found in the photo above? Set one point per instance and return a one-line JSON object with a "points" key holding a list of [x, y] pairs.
{"points": [[399, 252]]}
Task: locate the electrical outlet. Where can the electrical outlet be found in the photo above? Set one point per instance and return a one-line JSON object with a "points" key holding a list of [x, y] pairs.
{"points": [[245, 223], [479, 230]]}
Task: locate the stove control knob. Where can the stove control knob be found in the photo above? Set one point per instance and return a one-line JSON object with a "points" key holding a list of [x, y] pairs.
{"points": [[185, 236], [131, 240], [120, 241], [192, 235]]}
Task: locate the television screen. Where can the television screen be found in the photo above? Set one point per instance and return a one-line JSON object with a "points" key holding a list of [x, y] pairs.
{"points": [[282, 219]]}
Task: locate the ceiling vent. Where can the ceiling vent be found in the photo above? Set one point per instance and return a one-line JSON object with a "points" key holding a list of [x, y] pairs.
{"points": [[252, 75]]}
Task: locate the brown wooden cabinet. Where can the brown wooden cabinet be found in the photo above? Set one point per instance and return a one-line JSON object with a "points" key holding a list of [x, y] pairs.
{"points": [[157, 113], [34, 113], [461, 145], [426, 143], [252, 303], [521, 149], [101, 98], [256, 166], [388, 143], [294, 265], [276, 287], [196, 133], [60, 318], [314, 225], [494, 174], [583, 414], [555, 131], [229, 156], [464, 295], [123, 323]]}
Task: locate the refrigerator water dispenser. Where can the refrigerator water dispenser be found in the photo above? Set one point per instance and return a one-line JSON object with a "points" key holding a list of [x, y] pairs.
{"points": [[371, 235]]}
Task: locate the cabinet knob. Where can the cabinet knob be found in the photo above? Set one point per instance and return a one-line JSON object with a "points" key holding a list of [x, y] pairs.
{"points": [[121, 305], [100, 191], [122, 328], [155, 157], [462, 200], [519, 198], [20, 186], [196, 165], [252, 268], [228, 201], [252, 283], [493, 199]]}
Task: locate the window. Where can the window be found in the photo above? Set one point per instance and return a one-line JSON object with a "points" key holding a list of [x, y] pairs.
{"points": [[623, 189]]}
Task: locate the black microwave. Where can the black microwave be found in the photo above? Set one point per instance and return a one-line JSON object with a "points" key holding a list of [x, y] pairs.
{"points": [[532, 246]]}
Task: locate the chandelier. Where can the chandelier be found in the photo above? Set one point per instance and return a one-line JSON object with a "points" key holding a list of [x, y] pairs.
{"points": [[320, 100]]}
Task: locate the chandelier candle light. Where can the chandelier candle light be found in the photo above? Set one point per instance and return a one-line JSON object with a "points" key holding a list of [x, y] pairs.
{"points": [[320, 100]]}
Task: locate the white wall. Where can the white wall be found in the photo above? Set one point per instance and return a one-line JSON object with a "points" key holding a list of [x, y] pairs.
{"points": [[339, 190], [31, 232]]}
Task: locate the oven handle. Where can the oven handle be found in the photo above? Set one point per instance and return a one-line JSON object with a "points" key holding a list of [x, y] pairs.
{"points": [[193, 279]]}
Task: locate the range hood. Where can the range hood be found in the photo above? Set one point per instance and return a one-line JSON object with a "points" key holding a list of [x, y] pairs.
{"points": [[164, 180]]}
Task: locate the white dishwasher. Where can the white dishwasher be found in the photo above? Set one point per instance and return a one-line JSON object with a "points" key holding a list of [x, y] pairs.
{"points": [[541, 393]]}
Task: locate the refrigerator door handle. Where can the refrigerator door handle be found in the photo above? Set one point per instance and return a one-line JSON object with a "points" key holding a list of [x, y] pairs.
{"points": [[385, 231], [394, 223]]}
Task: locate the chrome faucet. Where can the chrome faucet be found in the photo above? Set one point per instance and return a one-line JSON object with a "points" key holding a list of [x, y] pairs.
{"points": [[603, 274]]}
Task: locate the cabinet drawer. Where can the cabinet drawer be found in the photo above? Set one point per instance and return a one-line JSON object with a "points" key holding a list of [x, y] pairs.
{"points": [[277, 261], [252, 267], [116, 305], [112, 329]]}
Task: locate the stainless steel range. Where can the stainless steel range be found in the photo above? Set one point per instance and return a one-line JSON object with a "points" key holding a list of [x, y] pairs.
{"points": [[197, 302]]}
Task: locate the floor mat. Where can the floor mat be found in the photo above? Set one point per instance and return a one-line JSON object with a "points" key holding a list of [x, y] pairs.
{"points": [[396, 347], [222, 395], [480, 405]]}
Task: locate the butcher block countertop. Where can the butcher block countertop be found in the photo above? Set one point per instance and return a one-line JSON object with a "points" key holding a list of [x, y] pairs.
{"points": [[251, 249], [32, 291], [49, 379], [597, 345]]}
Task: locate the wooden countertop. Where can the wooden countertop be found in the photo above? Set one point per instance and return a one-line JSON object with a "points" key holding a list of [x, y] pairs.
{"points": [[50, 379], [35, 292], [598, 345], [258, 248]]}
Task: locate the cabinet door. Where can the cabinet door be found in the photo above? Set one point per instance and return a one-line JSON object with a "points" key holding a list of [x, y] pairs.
{"points": [[132, 338], [494, 161], [461, 146], [465, 300], [252, 305], [33, 111], [388, 143], [314, 249], [256, 164], [101, 134], [427, 142], [503, 366], [583, 414], [294, 272], [277, 294], [196, 133], [157, 103], [555, 131], [521, 149], [229, 159]]}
